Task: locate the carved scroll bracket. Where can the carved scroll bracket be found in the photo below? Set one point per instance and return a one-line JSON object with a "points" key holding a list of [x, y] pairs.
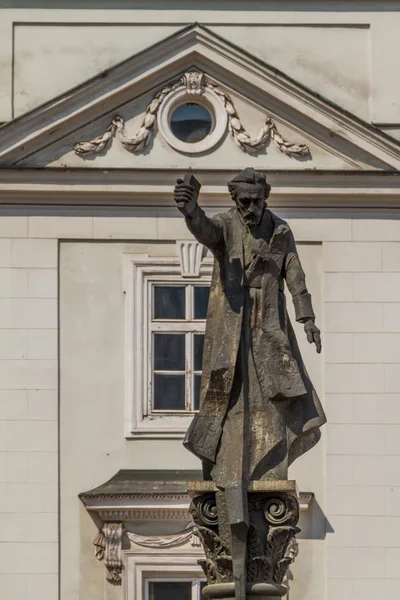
{"points": [[108, 548]]}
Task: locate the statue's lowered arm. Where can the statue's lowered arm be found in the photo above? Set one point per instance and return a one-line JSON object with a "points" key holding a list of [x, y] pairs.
{"points": [[296, 282]]}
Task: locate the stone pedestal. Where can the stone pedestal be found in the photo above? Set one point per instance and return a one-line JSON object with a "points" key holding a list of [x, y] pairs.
{"points": [[262, 544]]}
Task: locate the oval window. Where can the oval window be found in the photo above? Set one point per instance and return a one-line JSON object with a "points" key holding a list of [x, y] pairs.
{"points": [[190, 122]]}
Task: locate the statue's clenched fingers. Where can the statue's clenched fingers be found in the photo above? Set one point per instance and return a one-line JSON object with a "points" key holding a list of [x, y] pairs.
{"points": [[183, 192], [184, 186], [183, 197]]}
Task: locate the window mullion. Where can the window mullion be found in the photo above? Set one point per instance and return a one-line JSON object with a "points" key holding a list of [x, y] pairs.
{"points": [[189, 371], [189, 302], [150, 361], [195, 589]]}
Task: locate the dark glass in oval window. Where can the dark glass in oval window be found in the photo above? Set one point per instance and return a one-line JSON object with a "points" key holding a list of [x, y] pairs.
{"points": [[190, 122]]}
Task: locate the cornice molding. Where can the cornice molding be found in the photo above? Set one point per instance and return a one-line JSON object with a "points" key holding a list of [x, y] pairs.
{"points": [[150, 507], [151, 189]]}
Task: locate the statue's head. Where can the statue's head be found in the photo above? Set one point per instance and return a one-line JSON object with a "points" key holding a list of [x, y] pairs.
{"points": [[249, 191]]}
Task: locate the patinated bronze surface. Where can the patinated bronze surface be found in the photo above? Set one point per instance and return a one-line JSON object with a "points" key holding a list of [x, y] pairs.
{"points": [[258, 408]]}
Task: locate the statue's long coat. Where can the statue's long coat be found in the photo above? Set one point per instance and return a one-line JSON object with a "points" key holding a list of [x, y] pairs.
{"points": [[223, 234]]}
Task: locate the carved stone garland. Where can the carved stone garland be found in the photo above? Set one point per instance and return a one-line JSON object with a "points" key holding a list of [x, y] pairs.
{"points": [[195, 82], [108, 545]]}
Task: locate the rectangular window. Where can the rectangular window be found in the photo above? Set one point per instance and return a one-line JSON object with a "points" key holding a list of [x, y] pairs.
{"points": [[168, 589], [165, 315], [178, 317]]}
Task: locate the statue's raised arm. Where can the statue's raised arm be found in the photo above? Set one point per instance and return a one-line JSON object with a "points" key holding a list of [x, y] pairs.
{"points": [[208, 232]]}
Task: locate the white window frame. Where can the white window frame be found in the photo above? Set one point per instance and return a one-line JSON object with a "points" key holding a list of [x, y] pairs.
{"points": [[171, 565], [141, 272], [188, 327], [195, 581]]}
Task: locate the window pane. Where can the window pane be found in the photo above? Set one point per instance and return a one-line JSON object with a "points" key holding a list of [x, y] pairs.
{"points": [[169, 302], [198, 352], [190, 122], [169, 392], [169, 351], [170, 590], [196, 399], [202, 586], [201, 295]]}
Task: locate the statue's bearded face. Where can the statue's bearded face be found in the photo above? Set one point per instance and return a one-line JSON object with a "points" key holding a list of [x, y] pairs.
{"points": [[250, 202]]}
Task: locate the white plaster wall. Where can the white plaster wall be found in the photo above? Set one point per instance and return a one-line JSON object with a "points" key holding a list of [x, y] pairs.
{"points": [[28, 410], [92, 398], [361, 260], [362, 383], [342, 50]]}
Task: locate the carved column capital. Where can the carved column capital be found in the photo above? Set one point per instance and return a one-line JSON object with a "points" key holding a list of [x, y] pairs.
{"points": [[270, 546]]}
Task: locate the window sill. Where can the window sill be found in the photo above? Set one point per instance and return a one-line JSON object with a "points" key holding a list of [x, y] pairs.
{"points": [[161, 427]]}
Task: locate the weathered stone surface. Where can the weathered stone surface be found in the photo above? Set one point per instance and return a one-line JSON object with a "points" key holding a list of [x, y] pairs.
{"points": [[273, 512], [258, 408]]}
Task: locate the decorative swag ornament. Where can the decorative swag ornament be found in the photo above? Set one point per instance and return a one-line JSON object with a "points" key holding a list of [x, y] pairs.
{"points": [[195, 82]]}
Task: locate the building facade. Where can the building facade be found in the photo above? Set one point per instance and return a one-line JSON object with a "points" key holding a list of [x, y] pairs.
{"points": [[103, 291]]}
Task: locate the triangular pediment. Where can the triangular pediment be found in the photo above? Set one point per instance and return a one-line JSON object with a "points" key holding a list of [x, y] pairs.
{"points": [[306, 131]]}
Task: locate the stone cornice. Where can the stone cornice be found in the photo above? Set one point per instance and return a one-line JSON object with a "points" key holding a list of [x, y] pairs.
{"points": [[151, 189], [148, 507]]}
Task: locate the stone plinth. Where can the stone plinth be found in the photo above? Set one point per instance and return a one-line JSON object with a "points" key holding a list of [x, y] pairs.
{"points": [[262, 543]]}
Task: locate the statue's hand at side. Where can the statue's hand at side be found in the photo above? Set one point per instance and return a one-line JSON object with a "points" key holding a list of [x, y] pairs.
{"points": [[313, 334], [185, 196]]}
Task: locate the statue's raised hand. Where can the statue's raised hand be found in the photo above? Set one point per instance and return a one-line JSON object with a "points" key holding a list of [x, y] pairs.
{"points": [[313, 334], [186, 194]]}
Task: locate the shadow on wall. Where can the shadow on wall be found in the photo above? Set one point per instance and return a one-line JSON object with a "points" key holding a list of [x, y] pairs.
{"points": [[306, 576], [313, 523]]}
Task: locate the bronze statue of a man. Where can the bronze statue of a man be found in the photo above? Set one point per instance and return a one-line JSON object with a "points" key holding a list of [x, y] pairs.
{"points": [[258, 408]]}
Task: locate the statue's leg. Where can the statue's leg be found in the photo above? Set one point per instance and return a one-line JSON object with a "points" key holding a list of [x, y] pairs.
{"points": [[236, 490], [231, 474], [207, 469], [238, 515]]}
